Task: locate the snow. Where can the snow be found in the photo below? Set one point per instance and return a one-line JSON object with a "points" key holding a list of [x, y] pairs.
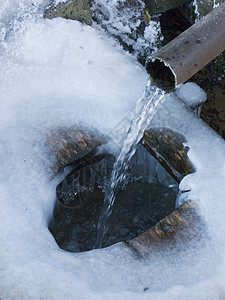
{"points": [[207, 152], [125, 21], [60, 1], [61, 73], [191, 94]]}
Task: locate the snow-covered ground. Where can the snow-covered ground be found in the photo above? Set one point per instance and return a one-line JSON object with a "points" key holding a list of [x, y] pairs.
{"points": [[61, 73]]}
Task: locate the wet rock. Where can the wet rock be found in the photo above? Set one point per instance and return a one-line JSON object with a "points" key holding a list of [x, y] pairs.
{"points": [[202, 8], [174, 21], [212, 80], [213, 112], [72, 9], [177, 229], [78, 186], [168, 148], [159, 6], [71, 146]]}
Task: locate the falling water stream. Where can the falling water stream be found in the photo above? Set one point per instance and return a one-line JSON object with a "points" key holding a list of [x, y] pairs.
{"points": [[147, 106]]}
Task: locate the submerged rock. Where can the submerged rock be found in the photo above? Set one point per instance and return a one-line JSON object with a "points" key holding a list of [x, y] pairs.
{"points": [[72, 9], [183, 225], [139, 205]]}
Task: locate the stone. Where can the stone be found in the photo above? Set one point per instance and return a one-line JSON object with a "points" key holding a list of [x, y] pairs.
{"points": [[159, 6], [71, 145], [73, 9], [130, 24], [202, 8], [176, 230], [167, 146]]}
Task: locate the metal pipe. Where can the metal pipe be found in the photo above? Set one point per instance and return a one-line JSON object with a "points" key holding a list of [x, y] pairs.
{"points": [[184, 56]]}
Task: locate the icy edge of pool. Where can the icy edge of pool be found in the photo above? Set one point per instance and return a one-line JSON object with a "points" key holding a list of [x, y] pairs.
{"points": [[207, 153]]}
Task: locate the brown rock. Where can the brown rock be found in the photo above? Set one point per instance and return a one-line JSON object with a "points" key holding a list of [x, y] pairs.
{"points": [[182, 225], [168, 148], [71, 145]]}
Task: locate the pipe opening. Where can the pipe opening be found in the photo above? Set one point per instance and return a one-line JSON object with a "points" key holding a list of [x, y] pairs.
{"points": [[161, 74], [148, 195]]}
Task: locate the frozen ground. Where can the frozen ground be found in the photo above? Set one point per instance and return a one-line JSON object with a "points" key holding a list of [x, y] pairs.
{"points": [[60, 73]]}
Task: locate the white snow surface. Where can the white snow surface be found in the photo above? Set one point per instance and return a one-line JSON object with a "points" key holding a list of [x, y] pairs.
{"points": [[60, 1], [60, 73], [191, 94]]}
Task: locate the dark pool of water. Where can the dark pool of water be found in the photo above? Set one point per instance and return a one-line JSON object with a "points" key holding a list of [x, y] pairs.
{"points": [[139, 205]]}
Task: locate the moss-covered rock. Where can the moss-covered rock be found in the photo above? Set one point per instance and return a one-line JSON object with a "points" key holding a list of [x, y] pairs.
{"points": [[72, 9]]}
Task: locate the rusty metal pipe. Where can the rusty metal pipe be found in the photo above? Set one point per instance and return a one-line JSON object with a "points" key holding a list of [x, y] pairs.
{"points": [[184, 56]]}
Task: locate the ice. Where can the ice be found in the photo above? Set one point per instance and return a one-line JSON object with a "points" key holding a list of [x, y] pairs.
{"points": [[60, 1], [62, 73], [191, 94], [124, 20], [206, 152], [195, 4]]}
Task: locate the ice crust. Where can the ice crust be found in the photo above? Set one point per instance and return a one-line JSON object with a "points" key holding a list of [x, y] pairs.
{"points": [[61, 73], [124, 20], [191, 94]]}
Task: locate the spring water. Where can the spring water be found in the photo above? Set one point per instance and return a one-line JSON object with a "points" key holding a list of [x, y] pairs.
{"points": [[147, 106]]}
